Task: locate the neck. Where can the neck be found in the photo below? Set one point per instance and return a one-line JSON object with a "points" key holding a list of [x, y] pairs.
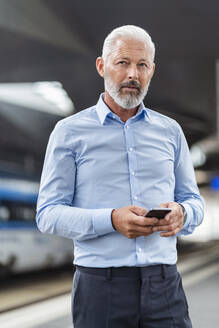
{"points": [[123, 113]]}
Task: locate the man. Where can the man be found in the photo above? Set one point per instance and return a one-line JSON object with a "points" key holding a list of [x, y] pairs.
{"points": [[105, 167]]}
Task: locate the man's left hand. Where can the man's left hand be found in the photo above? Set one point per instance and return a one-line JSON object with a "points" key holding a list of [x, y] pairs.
{"points": [[173, 221]]}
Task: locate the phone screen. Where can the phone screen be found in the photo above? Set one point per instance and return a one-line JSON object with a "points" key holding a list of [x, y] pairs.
{"points": [[158, 213]]}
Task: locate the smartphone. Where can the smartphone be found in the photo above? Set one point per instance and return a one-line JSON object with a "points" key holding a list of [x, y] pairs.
{"points": [[158, 213]]}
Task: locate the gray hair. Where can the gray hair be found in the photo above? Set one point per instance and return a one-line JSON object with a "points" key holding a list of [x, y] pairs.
{"points": [[128, 32]]}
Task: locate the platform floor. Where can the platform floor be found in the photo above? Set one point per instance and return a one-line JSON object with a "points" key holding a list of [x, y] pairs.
{"points": [[203, 299], [202, 292]]}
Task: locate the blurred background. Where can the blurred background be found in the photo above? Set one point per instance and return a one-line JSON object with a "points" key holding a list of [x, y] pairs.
{"points": [[47, 72]]}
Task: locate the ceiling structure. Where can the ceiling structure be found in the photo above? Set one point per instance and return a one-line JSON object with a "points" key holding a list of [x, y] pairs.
{"points": [[53, 40]]}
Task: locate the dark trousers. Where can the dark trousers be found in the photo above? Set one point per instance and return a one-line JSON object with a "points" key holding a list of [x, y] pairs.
{"points": [[148, 297]]}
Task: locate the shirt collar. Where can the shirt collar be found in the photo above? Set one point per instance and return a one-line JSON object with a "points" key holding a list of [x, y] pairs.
{"points": [[103, 110]]}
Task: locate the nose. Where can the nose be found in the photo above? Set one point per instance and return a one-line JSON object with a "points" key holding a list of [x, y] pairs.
{"points": [[133, 72]]}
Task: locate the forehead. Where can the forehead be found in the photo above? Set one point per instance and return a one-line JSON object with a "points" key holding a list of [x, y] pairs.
{"points": [[131, 48]]}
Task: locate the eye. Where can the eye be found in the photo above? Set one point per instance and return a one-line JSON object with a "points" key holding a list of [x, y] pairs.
{"points": [[143, 65], [122, 62]]}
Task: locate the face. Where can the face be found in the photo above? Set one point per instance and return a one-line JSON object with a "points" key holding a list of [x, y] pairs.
{"points": [[128, 71]]}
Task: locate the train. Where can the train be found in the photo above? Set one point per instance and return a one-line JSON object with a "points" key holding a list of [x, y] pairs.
{"points": [[27, 117], [23, 247]]}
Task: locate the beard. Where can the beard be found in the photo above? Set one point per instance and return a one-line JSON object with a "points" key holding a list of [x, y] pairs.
{"points": [[129, 100]]}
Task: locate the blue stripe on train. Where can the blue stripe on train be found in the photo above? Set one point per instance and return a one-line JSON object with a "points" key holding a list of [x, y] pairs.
{"points": [[7, 194], [18, 225]]}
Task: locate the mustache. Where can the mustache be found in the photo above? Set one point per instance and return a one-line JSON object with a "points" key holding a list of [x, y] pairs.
{"points": [[131, 83]]}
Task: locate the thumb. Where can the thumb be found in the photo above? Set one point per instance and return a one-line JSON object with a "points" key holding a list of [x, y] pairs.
{"points": [[165, 205], [138, 210]]}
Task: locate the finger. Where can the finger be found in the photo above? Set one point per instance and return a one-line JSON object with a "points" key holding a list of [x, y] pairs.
{"points": [[138, 234], [144, 221], [171, 216], [144, 234], [163, 222], [168, 227], [168, 216], [141, 230], [170, 233]]}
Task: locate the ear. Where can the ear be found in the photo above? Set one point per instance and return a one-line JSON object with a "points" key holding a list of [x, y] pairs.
{"points": [[153, 69], [100, 66]]}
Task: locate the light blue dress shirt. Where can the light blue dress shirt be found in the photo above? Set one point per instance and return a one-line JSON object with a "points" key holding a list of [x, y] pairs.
{"points": [[94, 163]]}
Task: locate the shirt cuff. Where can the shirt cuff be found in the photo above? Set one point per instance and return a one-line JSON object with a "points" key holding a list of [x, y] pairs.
{"points": [[189, 212], [102, 222]]}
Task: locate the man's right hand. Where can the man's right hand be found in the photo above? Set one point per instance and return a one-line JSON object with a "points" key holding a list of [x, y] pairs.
{"points": [[130, 221]]}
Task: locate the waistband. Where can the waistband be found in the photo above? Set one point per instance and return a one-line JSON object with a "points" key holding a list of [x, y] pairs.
{"points": [[131, 272]]}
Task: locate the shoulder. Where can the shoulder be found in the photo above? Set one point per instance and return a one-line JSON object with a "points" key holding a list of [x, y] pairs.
{"points": [[81, 118], [78, 123], [164, 122], [69, 129]]}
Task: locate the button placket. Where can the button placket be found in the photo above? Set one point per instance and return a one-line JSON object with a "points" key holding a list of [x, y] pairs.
{"points": [[134, 186], [140, 250], [132, 162]]}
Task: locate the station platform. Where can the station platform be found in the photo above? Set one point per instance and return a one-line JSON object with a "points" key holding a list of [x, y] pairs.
{"points": [[203, 302], [201, 286]]}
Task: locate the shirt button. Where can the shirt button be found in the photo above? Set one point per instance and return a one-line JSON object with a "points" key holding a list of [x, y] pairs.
{"points": [[127, 127], [140, 250], [135, 197], [132, 173], [131, 149]]}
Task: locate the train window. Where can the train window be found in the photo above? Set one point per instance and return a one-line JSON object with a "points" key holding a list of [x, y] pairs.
{"points": [[17, 211], [4, 213]]}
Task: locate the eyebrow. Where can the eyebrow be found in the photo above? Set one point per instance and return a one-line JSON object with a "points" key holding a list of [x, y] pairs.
{"points": [[119, 58], [127, 58]]}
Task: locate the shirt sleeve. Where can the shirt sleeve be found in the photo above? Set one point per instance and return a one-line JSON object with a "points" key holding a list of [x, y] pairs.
{"points": [[55, 213], [186, 190]]}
